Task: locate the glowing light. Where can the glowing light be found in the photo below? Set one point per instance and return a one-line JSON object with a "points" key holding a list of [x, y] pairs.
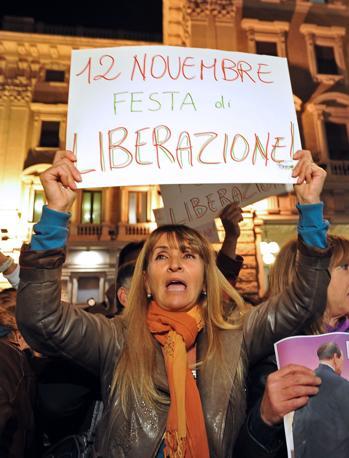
{"points": [[264, 247], [274, 247], [268, 258], [88, 258], [268, 251]]}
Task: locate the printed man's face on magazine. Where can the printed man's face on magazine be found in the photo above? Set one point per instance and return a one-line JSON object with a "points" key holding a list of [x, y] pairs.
{"points": [[338, 363]]}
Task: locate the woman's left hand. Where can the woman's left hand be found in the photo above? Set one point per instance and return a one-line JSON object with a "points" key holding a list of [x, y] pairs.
{"points": [[311, 178]]}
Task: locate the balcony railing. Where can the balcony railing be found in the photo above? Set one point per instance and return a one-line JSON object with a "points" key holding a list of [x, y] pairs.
{"points": [[89, 230], [105, 232], [134, 230], [337, 168]]}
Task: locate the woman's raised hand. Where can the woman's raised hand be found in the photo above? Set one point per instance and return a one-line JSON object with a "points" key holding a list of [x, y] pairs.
{"points": [[310, 178], [59, 181]]}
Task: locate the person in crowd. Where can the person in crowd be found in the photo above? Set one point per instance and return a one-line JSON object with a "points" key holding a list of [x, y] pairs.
{"points": [[53, 397], [17, 393], [320, 428], [334, 318], [228, 261], [337, 309], [128, 254], [8, 298], [65, 394], [123, 284], [172, 367]]}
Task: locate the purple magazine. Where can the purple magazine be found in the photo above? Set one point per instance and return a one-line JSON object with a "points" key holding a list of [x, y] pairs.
{"points": [[320, 429]]}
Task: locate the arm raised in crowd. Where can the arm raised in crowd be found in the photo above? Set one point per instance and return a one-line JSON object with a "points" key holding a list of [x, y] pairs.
{"points": [[285, 314], [228, 262], [48, 325]]}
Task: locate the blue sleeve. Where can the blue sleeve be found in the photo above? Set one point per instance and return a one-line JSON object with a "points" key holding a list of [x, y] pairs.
{"points": [[51, 231], [312, 226]]}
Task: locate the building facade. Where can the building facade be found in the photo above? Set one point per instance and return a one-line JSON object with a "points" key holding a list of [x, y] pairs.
{"points": [[313, 35], [34, 80]]}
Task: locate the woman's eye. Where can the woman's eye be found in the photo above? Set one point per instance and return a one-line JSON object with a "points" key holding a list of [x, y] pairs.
{"points": [[189, 255], [343, 267], [160, 257]]}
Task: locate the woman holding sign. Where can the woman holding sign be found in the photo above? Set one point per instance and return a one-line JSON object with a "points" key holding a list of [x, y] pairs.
{"points": [[172, 367]]}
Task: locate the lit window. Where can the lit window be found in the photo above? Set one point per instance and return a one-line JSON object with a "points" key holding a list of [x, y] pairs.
{"points": [[49, 136], [91, 208], [137, 207], [39, 201], [55, 76]]}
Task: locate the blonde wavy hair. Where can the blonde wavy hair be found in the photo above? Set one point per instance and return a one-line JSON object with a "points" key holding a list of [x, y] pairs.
{"points": [[133, 377]]}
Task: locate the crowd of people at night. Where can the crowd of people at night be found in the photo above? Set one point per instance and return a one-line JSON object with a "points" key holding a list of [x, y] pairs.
{"points": [[175, 362]]}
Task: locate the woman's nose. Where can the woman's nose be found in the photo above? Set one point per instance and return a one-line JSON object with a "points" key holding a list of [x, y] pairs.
{"points": [[175, 264]]}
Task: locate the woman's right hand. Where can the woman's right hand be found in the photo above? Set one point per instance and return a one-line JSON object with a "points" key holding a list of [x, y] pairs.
{"points": [[59, 182]]}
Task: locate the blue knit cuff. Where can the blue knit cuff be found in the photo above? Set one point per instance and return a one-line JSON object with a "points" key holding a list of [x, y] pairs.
{"points": [[51, 231], [312, 227]]}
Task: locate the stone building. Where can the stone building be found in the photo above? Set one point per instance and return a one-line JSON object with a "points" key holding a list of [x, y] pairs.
{"points": [[34, 77]]}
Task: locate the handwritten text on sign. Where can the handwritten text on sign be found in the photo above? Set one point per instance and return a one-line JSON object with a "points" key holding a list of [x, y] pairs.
{"points": [[198, 204], [157, 114]]}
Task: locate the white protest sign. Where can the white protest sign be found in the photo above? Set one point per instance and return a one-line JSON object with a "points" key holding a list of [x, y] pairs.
{"points": [[208, 229], [198, 204], [160, 114]]}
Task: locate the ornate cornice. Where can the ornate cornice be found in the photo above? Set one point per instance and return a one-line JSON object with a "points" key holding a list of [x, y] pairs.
{"points": [[17, 89], [221, 9]]}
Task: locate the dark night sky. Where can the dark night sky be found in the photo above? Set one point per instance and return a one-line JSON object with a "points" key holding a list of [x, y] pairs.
{"points": [[131, 15]]}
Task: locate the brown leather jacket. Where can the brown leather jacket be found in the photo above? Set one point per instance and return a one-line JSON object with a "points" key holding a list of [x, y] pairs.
{"points": [[95, 343]]}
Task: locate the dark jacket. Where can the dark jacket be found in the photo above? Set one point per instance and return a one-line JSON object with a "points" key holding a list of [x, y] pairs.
{"points": [[321, 427], [96, 343], [17, 395]]}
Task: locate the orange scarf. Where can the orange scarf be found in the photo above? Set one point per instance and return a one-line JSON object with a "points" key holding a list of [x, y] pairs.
{"points": [[185, 435]]}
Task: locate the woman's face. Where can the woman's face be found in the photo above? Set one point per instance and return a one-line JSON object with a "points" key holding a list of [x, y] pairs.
{"points": [[338, 291], [174, 277]]}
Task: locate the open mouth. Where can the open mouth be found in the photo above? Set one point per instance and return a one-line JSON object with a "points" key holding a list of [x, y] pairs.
{"points": [[176, 285]]}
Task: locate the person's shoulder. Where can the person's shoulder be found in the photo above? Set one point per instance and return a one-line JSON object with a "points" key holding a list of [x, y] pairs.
{"points": [[343, 382], [326, 373]]}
